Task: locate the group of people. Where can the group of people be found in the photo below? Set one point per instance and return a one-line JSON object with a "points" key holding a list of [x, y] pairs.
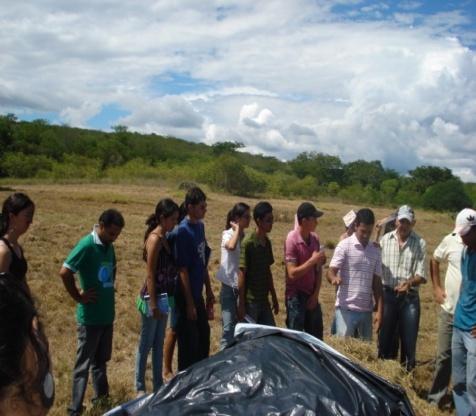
{"points": [[376, 282]]}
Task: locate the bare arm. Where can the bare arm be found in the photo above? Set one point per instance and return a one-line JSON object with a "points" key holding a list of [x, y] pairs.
{"points": [[5, 258], [313, 300], [332, 276], [153, 246], [274, 298], [208, 289], [88, 296], [318, 258], [241, 294], [235, 238], [377, 289], [438, 291]]}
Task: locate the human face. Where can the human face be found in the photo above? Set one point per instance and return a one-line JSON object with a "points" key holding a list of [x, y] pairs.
{"points": [[266, 223], [21, 221], [404, 227], [109, 234], [469, 238], [170, 222], [363, 232], [198, 211], [244, 220], [309, 224]]}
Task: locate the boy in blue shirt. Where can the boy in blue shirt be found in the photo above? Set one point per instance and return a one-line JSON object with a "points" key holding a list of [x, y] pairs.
{"points": [[463, 346], [192, 253]]}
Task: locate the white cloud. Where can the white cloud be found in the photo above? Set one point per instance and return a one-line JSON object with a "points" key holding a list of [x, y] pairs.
{"points": [[282, 77]]}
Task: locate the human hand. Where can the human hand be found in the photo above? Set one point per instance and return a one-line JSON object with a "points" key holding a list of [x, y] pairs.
{"points": [[336, 281], [318, 258], [234, 226], [377, 321], [440, 295], [312, 303], [403, 287], [88, 296]]}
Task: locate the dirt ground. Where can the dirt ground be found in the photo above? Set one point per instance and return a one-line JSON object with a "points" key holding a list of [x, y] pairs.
{"points": [[64, 213]]}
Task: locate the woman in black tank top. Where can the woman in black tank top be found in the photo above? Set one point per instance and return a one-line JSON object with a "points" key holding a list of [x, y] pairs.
{"points": [[17, 215]]}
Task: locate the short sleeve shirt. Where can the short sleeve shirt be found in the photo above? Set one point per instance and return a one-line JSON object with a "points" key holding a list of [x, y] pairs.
{"points": [[400, 264], [357, 265], [465, 313], [256, 259], [298, 251], [450, 250], [95, 264], [229, 261]]}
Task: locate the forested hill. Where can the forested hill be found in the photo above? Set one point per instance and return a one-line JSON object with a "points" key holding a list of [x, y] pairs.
{"points": [[39, 150]]}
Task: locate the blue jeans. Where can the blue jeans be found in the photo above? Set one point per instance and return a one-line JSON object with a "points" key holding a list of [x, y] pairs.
{"points": [[353, 324], [152, 335], [298, 317], [228, 300], [463, 349], [401, 317]]}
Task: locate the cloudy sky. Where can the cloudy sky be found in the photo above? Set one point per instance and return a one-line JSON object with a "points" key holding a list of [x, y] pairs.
{"points": [[387, 80]]}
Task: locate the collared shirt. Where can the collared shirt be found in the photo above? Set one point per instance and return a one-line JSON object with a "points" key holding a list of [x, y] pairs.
{"points": [[450, 250], [357, 265], [465, 312], [256, 259], [298, 251], [400, 264]]}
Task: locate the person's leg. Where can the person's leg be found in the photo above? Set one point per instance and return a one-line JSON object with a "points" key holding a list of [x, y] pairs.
{"points": [[188, 338], [442, 375], [458, 372], [346, 322], [169, 345], [364, 328], [408, 326], [203, 327], [228, 314], [295, 313], [146, 339], [99, 362], [252, 310], [157, 349], [265, 316], [470, 345], [386, 337], [313, 324], [88, 340]]}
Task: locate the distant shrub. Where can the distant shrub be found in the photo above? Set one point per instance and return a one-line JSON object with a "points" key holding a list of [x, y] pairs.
{"points": [[446, 196], [74, 167], [19, 165]]}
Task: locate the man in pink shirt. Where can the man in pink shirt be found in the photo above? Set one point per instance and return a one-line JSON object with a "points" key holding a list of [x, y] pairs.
{"points": [[304, 264], [356, 270]]}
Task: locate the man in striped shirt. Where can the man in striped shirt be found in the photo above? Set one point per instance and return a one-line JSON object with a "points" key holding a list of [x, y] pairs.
{"points": [[403, 267], [356, 270]]}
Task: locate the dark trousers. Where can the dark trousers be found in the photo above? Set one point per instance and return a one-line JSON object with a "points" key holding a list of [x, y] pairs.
{"points": [[401, 317], [193, 337], [301, 319], [94, 350]]}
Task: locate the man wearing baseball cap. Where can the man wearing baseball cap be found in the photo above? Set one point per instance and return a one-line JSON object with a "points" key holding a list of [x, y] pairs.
{"points": [[463, 346], [403, 270], [304, 260]]}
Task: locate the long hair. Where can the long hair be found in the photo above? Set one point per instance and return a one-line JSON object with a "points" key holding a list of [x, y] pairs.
{"points": [[14, 204], [237, 211]]}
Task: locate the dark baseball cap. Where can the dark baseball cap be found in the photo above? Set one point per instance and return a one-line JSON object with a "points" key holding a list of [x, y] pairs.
{"points": [[307, 210]]}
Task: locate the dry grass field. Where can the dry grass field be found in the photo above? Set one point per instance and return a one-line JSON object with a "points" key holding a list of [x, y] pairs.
{"points": [[66, 212]]}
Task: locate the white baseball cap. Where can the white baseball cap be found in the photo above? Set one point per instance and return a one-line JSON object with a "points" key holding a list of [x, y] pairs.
{"points": [[349, 218], [464, 221], [406, 212]]}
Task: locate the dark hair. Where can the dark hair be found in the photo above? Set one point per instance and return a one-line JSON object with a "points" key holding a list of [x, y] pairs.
{"points": [[364, 216], [261, 209], [237, 211], [112, 217], [14, 204], [165, 208], [17, 312], [194, 196]]}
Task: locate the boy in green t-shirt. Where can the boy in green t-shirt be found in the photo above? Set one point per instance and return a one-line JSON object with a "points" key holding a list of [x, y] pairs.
{"points": [[255, 280], [94, 259]]}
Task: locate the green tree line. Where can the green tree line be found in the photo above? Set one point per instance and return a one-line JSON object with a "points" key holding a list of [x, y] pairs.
{"points": [[39, 150]]}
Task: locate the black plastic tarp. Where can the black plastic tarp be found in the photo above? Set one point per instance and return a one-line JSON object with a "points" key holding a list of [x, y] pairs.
{"points": [[270, 371]]}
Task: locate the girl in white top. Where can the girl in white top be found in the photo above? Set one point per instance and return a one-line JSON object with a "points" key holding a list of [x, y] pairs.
{"points": [[237, 220]]}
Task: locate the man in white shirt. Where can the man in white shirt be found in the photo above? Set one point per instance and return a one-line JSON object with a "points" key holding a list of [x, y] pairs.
{"points": [[449, 250]]}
